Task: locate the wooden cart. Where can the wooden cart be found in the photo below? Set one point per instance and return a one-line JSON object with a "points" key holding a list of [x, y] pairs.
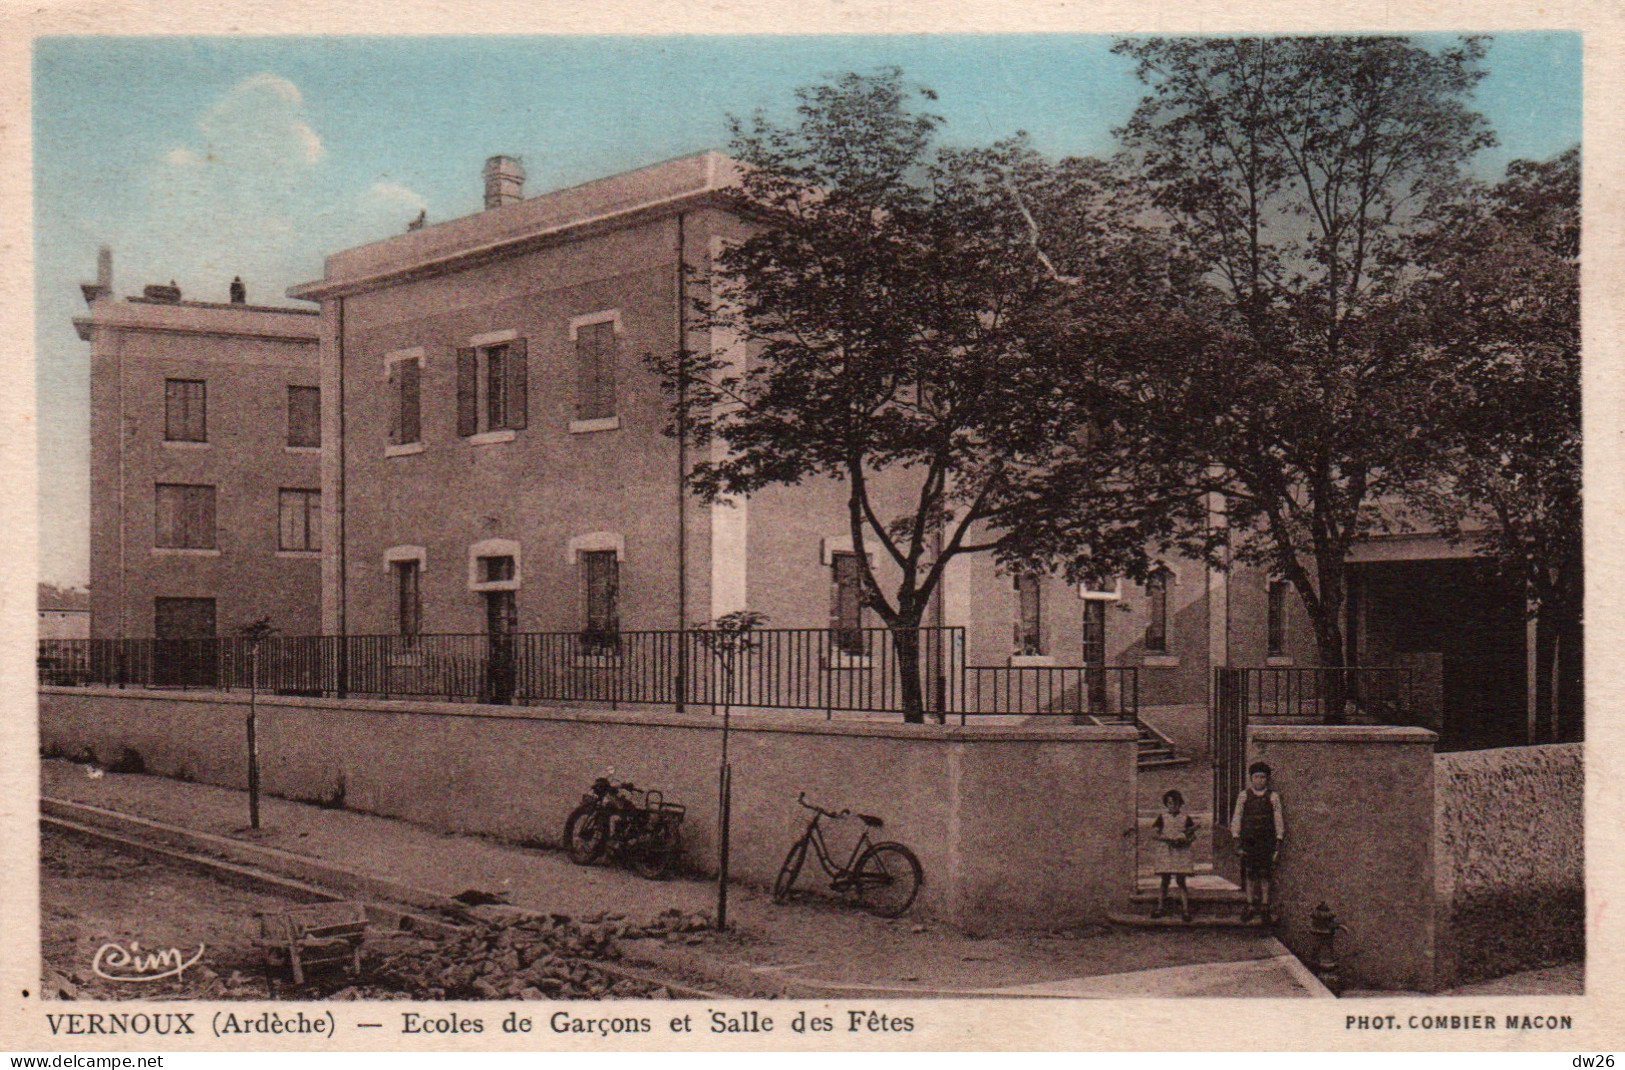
{"points": [[313, 935]]}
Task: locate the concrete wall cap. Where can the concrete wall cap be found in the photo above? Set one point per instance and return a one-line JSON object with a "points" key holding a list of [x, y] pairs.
{"points": [[1340, 733], [814, 725]]}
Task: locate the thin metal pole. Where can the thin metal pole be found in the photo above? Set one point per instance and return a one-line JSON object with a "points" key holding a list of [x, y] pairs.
{"points": [[253, 742], [682, 470]]}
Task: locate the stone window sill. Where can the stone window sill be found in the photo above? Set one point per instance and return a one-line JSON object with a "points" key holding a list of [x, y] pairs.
{"points": [[1031, 661], [603, 423], [491, 438], [1279, 661], [303, 449], [307, 555], [403, 449], [176, 444], [1159, 661], [185, 551]]}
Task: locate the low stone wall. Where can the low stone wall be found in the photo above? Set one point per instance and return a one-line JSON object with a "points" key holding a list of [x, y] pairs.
{"points": [[1510, 846], [1358, 805], [1015, 826]]}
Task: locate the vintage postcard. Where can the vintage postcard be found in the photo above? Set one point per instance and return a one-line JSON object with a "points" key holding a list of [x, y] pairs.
{"points": [[814, 530]]}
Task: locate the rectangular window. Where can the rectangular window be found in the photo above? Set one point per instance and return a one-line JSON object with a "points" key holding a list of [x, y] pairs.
{"points": [[405, 401], [1156, 597], [408, 607], [847, 612], [185, 416], [602, 571], [1276, 632], [304, 416], [1029, 625], [299, 520], [595, 371], [492, 388], [183, 516]]}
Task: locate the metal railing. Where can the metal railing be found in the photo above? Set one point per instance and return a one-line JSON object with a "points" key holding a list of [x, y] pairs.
{"points": [[810, 668], [1365, 692], [1109, 692]]}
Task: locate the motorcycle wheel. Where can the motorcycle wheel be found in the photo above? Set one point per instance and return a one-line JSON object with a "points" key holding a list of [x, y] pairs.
{"points": [[656, 857], [586, 834]]}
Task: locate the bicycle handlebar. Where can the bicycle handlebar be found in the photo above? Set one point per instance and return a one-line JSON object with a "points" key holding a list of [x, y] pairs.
{"points": [[802, 799]]}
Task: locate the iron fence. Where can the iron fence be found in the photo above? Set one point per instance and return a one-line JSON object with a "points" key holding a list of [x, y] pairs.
{"points": [[857, 670], [1363, 692], [1106, 692]]}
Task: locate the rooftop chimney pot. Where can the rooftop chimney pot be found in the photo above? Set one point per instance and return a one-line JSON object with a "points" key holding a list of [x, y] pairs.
{"points": [[170, 294], [239, 292], [504, 181], [103, 286]]}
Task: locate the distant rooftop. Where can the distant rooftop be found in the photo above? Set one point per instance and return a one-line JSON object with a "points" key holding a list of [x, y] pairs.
{"points": [[604, 203]]}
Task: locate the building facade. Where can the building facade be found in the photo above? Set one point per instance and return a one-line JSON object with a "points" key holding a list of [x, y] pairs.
{"points": [[205, 447], [497, 461]]}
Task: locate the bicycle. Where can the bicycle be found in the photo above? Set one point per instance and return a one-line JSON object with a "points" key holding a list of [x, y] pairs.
{"points": [[883, 876], [638, 825]]}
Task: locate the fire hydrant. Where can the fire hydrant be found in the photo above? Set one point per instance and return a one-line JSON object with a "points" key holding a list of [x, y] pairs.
{"points": [[1323, 927]]}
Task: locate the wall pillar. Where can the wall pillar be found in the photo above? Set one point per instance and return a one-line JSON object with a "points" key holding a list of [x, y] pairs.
{"points": [[1358, 804]]}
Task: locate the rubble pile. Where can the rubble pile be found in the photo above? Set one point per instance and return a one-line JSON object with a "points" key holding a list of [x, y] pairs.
{"points": [[512, 955]]}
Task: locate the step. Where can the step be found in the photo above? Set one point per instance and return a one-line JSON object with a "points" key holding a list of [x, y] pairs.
{"points": [[1198, 920], [1158, 763]]}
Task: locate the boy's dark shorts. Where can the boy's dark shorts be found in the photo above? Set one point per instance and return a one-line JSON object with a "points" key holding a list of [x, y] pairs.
{"points": [[1258, 864]]}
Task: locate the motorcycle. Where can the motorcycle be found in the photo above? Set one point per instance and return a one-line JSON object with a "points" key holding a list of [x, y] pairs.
{"points": [[623, 821]]}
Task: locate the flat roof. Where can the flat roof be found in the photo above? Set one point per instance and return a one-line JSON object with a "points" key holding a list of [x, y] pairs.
{"points": [[201, 317], [561, 215]]}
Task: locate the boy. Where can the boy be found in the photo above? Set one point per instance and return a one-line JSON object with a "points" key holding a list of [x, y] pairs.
{"points": [[1258, 829]]}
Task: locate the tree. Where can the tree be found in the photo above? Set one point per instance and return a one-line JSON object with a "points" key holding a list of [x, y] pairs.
{"points": [[1292, 172], [1501, 301], [881, 299]]}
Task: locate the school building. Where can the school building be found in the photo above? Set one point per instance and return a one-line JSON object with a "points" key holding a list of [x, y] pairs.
{"points": [[205, 445]]}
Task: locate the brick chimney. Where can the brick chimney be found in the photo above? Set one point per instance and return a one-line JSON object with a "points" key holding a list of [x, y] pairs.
{"points": [[239, 292], [504, 181], [168, 295]]}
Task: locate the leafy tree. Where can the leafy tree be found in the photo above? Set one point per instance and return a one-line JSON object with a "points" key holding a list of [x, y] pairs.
{"points": [[883, 296], [1292, 173], [1501, 301]]}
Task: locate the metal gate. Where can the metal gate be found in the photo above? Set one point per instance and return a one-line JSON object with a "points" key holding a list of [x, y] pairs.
{"points": [[1227, 731]]}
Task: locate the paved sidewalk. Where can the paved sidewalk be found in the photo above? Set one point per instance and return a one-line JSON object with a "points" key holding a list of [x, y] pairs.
{"points": [[806, 948]]}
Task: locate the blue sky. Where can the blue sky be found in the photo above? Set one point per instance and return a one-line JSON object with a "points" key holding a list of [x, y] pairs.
{"points": [[200, 159]]}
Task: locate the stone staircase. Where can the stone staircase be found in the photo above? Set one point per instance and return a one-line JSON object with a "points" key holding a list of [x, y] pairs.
{"points": [[1216, 903], [1155, 749]]}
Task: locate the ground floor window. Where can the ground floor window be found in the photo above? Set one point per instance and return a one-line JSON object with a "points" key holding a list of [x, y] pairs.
{"points": [[1275, 643], [408, 602], [601, 574], [846, 613], [1029, 631], [1156, 597]]}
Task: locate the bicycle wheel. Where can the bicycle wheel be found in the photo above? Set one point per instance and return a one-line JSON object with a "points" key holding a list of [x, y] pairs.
{"points": [[656, 857], [586, 834], [887, 879], [790, 871]]}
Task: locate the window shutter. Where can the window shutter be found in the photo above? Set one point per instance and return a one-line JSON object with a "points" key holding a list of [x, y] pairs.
{"points": [[397, 402], [411, 423], [605, 402], [518, 384], [205, 529], [586, 371], [468, 378]]}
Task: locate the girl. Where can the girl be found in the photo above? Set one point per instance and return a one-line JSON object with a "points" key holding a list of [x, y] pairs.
{"points": [[1171, 853]]}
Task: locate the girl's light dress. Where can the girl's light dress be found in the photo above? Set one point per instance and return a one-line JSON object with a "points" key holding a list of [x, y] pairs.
{"points": [[1167, 856]]}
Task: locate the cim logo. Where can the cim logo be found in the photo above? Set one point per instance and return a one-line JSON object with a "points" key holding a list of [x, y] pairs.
{"points": [[116, 963]]}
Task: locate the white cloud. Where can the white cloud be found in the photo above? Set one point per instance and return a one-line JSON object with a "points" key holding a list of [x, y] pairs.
{"points": [[239, 199], [393, 195]]}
